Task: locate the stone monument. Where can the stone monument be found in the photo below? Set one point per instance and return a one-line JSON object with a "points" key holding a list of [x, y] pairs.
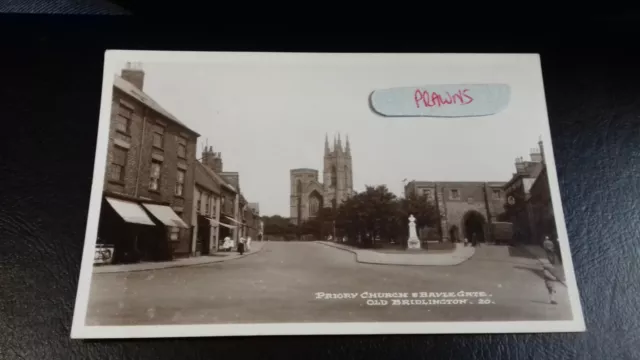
{"points": [[414, 242]]}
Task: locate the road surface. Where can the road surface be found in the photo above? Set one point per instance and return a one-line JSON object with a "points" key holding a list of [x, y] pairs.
{"points": [[280, 284]]}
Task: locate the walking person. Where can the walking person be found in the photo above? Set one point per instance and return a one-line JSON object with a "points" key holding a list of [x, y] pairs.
{"points": [[227, 245], [249, 243], [549, 248], [241, 244], [549, 281]]}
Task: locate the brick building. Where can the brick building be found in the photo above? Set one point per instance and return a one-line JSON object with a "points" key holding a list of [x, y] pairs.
{"points": [[543, 220], [257, 221], [518, 208], [252, 221], [206, 215], [149, 178], [529, 206], [465, 209], [231, 201]]}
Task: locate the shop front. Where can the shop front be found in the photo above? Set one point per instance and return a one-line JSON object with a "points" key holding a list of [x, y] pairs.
{"points": [[227, 229], [134, 230]]}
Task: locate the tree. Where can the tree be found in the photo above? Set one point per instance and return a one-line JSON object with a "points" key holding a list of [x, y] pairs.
{"points": [[277, 225], [367, 214]]}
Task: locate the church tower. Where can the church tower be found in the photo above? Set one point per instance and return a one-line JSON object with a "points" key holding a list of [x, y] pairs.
{"points": [[338, 172]]}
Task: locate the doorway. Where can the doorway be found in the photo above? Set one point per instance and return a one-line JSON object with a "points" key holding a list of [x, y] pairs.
{"points": [[474, 227], [203, 235]]}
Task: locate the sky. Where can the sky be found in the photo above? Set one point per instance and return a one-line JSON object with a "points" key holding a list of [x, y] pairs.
{"points": [[268, 114]]}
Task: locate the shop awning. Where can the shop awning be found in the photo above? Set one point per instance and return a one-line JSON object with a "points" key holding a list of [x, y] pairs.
{"points": [[234, 220], [216, 223], [166, 215], [130, 211], [227, 225]]}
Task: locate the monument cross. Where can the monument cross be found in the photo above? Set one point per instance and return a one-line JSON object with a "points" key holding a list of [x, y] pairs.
{"points": [[413, 243]]}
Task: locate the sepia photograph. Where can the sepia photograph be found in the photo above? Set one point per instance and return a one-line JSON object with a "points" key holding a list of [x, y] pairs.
{"points": [[316, 194]]}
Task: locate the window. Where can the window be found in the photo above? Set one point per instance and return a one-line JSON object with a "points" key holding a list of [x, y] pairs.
{"points": [[454, 194], [207, 205], [496, 195], [175, 231], [158, 136], [334, 177], [213, 206], [314, 206], [199, 203], [180, 185], [118, 163], [154, 181], [182, 148], [123, 119], [346, 177]]}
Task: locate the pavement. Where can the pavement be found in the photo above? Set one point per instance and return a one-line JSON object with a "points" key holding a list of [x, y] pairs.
{"points": [[282, 283], [459, 255], [541, 255], [256, 247]]}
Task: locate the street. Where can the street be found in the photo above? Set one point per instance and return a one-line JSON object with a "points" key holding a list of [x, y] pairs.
{"points": [[279, 284]]}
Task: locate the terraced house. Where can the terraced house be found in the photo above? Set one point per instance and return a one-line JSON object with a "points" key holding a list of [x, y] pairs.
{"points": [[149, 178]]}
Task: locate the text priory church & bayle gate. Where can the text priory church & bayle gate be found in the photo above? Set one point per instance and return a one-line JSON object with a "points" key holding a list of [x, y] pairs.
{"points": [[308, 194]]}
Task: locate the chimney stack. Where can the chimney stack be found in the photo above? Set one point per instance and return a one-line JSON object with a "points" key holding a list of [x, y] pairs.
{"points": [[207, 157], [520, 166], [541, 150], [134, 74], [536, 155], [212, 160], [217, 162]]}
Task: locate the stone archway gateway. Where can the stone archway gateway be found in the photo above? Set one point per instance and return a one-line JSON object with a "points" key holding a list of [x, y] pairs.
{"points": [[474, 227]]}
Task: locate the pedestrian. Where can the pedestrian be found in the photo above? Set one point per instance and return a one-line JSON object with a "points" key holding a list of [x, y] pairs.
{"points": [[466, 242], [241, 244], [227, 245], [549, 281], [249, 243], [549, 248]]}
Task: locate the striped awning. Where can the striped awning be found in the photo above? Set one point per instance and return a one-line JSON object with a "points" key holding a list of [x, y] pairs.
{"points": [[130, 211]]}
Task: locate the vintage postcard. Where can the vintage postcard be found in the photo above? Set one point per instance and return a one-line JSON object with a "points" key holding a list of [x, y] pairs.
{"points": [[298, 193]]}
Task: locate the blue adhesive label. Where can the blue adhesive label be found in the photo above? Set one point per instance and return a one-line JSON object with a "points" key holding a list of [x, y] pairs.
{"points": [[441, 100]]}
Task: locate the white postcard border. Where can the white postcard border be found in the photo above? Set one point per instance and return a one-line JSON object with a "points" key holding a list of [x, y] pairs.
{"points": [[80, 330]]}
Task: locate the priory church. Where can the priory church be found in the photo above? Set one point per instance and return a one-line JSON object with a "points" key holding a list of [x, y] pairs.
{"points": [[309, 195]]}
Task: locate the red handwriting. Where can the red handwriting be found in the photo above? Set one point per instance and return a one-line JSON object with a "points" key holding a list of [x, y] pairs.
{"points": [[426, 99]]}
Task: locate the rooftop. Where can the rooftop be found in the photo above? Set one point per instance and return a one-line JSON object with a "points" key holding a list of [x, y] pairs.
{"points": [[141, 96], [219, 179], [207, 178]]}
